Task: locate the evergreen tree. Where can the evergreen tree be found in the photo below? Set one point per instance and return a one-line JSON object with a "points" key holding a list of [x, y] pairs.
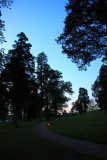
{"points": [[18, 73]]}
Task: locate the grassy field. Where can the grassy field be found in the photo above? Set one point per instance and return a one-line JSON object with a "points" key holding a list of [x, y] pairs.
{"points": [[90, 127], [24, 144]]}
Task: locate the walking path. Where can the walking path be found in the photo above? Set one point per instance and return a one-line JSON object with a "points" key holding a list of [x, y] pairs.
{"points": [[97, 150]]}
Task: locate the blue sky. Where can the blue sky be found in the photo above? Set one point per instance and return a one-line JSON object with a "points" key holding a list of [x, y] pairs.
{"points": [[42, 22]]}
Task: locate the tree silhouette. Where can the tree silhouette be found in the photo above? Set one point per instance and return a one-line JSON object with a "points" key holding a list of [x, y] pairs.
{"points": [[99, 88], [6, 3], [4, 100], [51, 87], [3, 3], [3, 89], [19, 73], [42, 78], [82, 102], [59, 91], [84, 35]]}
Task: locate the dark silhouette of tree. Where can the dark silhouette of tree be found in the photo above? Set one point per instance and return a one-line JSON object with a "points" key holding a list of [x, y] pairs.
{"points": [[51, 88], [84, 37], [77, 106], [31, 109], [30, 93], [2, 60], [42, 79], [3, 89], [82, 102], [2, 29], [6, 3], [4, 100], [99, 88], [56, 90], [3, 3], [19, 73], [59, 95]]}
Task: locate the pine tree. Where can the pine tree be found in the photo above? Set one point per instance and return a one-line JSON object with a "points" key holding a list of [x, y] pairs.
{"points": [[19, 73]]}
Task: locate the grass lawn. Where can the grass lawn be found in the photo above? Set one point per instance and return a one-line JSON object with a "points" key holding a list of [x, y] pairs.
{"points": [[90, 127], [24, 144]]}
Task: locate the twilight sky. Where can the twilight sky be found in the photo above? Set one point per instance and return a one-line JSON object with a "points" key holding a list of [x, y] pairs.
{"points": [[42, 22]]}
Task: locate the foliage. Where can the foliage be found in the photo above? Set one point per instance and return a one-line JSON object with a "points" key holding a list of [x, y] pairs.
{"points": [[3, 3], [3, 89], [28, 91], [99, 88], [84, 36], [50, 87], [2, 29], [92, 106], [42, 77], [6, 3], [19, 74], [82, 102], [2, 60], [3, 101]]}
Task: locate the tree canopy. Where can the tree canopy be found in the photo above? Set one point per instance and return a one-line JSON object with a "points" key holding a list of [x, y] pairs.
{"points": [[99, 88], [29, 86], [3, 3], [82, 102], [6, 3], [84, 37], [18, 74], [51, 87]]}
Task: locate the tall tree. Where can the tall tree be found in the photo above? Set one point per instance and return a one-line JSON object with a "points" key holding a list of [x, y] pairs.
{"points": [[84, 37], [56, 92], [99, 88], [52, 93], [83, 100], [42, 78], [51, 87], [18, 73]]}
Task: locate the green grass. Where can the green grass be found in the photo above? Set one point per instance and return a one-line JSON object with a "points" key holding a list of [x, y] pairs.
{"points": [[24, 144], [91, 127]]}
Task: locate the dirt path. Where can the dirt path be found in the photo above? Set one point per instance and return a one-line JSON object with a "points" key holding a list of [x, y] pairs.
{"points": [[98, 150]]}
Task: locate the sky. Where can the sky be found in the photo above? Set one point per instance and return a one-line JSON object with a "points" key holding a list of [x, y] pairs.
{"points": [[43, 21]]}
